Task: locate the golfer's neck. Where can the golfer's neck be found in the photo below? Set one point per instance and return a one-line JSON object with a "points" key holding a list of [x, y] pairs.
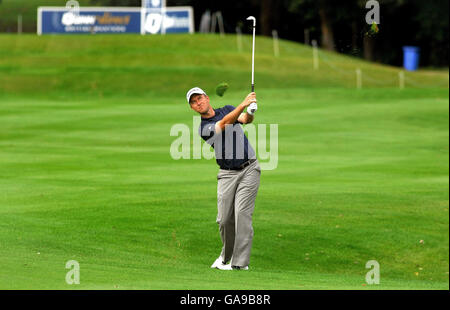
{"points": [[209, 114]]}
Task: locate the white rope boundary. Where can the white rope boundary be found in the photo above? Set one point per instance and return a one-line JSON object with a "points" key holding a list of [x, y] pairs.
{"points": [[402, 81]]}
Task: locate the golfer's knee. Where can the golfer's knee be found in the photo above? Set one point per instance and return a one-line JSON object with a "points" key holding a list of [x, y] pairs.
{"points": [[246, 213], [225, 222]]}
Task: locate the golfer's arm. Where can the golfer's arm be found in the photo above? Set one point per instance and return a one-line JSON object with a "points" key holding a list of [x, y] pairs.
{"points": [[246, 118], [230, 118]]}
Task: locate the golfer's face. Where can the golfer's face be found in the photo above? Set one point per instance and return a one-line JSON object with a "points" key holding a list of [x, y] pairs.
{"points": [[199, 103]]}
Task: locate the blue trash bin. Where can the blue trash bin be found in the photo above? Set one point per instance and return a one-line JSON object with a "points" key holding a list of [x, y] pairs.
{"points": [[411, 57]]}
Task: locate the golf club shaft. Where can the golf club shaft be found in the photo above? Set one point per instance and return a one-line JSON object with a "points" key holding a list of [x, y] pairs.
{"points": [[253, 60], [252, 18]]}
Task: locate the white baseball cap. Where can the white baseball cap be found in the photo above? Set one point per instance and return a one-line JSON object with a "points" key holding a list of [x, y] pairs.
{"points": [[195, 90]]}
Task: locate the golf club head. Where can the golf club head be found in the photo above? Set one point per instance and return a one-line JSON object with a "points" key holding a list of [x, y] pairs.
{"points": [[253, 19]]}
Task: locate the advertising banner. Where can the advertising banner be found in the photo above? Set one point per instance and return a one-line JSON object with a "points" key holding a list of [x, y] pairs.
{"points": [[168, 20], [154, 4], [65, 20], [53, 20]]}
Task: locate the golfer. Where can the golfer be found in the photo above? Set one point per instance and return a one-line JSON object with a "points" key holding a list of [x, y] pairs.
{"points": [[238, 177]]}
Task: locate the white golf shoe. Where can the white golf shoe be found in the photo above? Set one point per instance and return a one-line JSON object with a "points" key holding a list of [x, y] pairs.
{"points": [[218, 262], [224, 267]]}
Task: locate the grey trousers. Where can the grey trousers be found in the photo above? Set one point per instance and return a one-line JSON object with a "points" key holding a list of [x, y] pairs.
{"points": [[236, 194]]}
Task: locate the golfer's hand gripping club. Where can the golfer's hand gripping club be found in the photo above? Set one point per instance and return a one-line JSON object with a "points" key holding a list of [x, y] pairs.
{"points": [[251, 98], [250, 103], [252, 108]]}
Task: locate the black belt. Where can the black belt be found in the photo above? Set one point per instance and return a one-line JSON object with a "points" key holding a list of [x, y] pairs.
{"points": [[246, 164]]}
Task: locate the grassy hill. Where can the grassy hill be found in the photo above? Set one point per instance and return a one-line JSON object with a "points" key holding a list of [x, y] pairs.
{"points": [[104, 65], [86, 172]]}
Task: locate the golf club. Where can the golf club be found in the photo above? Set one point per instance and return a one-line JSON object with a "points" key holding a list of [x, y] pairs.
{"points": [[253, 52]]}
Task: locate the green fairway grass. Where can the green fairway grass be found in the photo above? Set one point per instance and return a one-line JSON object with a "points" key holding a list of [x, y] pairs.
{"points": [[86, 172]]}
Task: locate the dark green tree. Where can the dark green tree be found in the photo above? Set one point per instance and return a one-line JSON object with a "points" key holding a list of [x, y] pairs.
{"points": [[431, 21]]}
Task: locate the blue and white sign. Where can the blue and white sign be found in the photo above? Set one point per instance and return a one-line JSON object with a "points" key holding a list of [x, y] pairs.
{"points": [[154, 4], [59, 20], [88, 20], [169, 20]]}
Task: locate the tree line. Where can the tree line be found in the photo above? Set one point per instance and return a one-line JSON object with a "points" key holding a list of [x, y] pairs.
{"points": [[337, 25], [340, 25]]}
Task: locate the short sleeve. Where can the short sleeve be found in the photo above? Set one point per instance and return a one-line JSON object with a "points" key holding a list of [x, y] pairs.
{"points": [[229, 108], [207, 132]]}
